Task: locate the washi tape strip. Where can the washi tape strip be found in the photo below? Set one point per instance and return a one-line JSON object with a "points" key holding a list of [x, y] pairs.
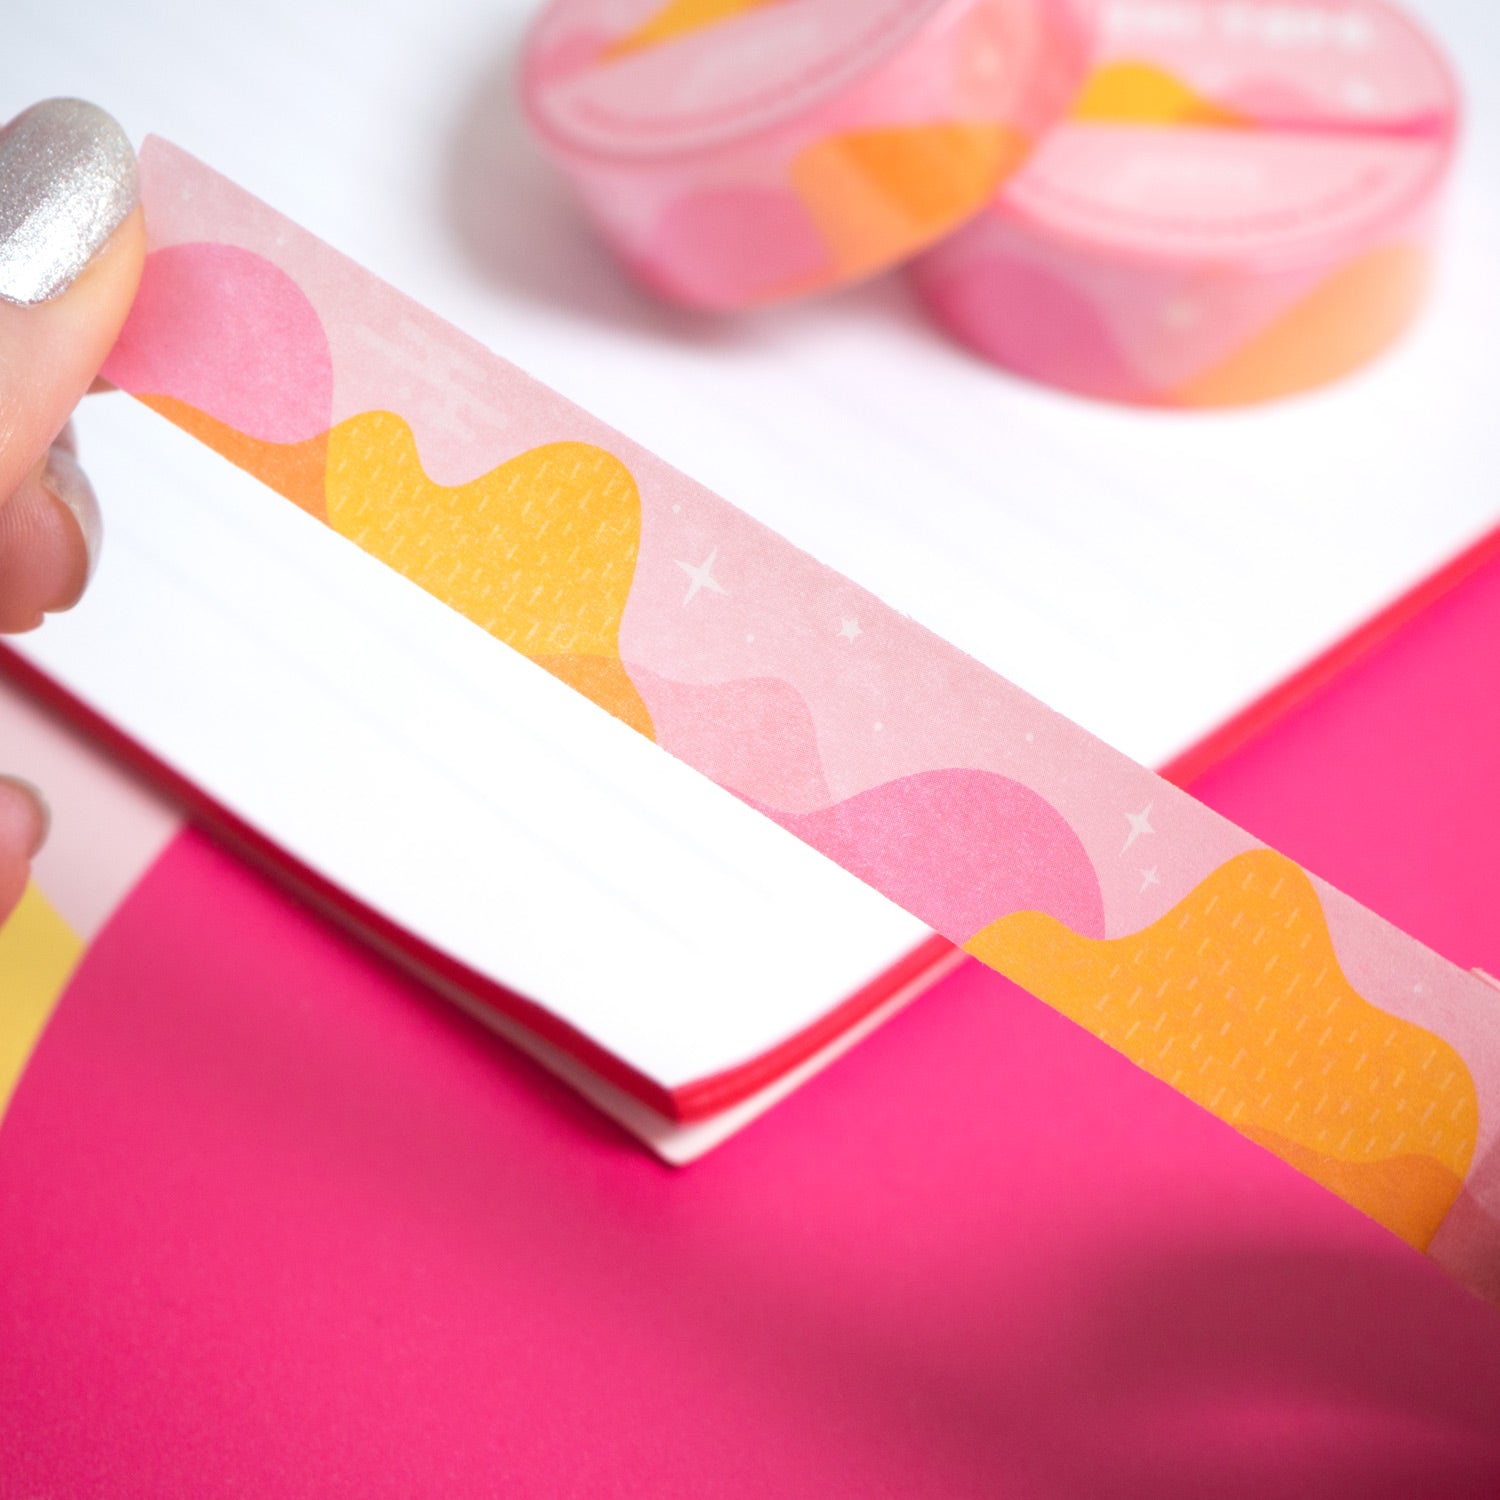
{"points": [[737, 152], [1304, 1021], [1243, 205]]}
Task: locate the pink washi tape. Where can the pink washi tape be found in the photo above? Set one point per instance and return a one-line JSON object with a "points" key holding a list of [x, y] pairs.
{"points": [[737, 152], [1241, 206], [1227, 972]]}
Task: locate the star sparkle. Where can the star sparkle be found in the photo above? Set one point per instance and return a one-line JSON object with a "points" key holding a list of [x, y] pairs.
{"points": [[1140, 826], [701, 577]]}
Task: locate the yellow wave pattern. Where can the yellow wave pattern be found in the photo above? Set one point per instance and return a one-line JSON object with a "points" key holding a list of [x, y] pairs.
{"points": [[677, 18], [1141, 93], [38, 953], [1236, 999], [540, 551]]}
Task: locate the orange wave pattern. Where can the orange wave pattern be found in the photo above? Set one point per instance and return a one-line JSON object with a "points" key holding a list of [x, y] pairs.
{"points": [[295, 470], [677, 18], [1236, 999], [876, 195], [1358, 312], [546, 543]]}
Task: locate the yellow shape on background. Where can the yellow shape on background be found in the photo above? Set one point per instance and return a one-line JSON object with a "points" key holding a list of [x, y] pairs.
{"points": [[1141, 93], [875, 195], [38, 953], [1236, 999], [540, 551], [677, 18]]}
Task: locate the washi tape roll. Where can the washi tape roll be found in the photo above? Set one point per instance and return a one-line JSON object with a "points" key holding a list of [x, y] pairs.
{"points": [[737, 152], [1241, 205]]}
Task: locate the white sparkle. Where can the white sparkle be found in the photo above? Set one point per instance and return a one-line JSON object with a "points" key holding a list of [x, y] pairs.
{"points": [[1030, 738], [1361, 95], [701, 577], [878, 726], [676, 510], [850, 630], [749, 640], [1149, 878], [1140, 826]]}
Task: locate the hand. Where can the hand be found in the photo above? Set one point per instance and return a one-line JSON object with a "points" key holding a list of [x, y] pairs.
{"points": [[72, 242]]}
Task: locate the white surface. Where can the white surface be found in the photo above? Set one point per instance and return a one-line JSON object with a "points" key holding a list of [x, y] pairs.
{"points": [[1145, 574], [444, 779]]}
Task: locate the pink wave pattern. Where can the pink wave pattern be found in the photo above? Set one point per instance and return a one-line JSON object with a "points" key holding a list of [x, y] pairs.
{"points": [[960, 849], [755, 737], [1061, 339], [231, 334], [722, 247]]}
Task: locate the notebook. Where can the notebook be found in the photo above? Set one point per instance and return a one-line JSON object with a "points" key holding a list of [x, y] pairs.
{"points": [[1146, 575], [1133, 604], [110, 827]]}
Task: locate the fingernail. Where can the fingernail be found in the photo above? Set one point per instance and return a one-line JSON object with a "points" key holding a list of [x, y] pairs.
{"points": [[66, 482], [67, 182], [39, 806]]}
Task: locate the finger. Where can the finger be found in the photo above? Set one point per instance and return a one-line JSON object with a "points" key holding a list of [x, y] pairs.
{"points": [[50, 352], [49, 541], [23, 830], [71, 249]]}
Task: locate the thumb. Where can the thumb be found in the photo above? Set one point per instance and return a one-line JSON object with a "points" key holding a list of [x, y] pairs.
{"points": [[72, 242], [23, 829]]}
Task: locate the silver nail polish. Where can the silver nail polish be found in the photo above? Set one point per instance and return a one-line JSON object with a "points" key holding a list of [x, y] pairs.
{"points": [[64, 480], [67, 182]]}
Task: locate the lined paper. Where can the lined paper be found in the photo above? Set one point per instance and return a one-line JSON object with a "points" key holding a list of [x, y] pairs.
{"points": [[1146, 574]]}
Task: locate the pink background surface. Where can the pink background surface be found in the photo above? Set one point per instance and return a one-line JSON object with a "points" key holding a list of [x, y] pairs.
{"points": [[275, 1222]]}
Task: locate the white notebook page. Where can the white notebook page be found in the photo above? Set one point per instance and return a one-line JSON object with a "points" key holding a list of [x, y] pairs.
{"points": [[1147, 574], [446, 781]]}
